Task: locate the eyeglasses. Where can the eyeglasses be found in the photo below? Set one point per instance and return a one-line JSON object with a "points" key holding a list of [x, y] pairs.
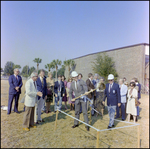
{"points": [[110, 80], [131, 86]]}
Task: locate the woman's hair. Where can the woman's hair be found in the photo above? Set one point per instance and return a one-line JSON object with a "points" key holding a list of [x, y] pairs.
{"points": [[80, 74], [64, 77], [90, 74], [50, 74], [69, 79], [133, 83]]}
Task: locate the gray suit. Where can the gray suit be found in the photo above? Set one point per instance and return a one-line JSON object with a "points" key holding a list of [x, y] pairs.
{"points": [[81, 89]]}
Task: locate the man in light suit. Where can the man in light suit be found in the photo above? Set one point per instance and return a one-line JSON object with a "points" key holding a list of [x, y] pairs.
{"points": [[112, 92], [15, 84], [30, 100], [123, 94], [59, 90], [79, 87], [42, 87]]}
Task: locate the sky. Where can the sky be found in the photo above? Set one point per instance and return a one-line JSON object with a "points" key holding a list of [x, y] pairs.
{"points": [[65, 30]]}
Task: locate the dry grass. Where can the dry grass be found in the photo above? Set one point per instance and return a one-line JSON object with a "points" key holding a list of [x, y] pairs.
{"points": [[44, 136]]}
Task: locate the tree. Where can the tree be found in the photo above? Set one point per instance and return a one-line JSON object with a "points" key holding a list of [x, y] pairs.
{"points": [[31, 70], [25, 71], [49, 66], [69, 63], [17, 66], [56, 63], [8, 70], [37, 60], [104, 65], [61, 71]]}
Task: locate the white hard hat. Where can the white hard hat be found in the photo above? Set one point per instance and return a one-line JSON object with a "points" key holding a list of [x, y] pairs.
{"points": [[74, 74], [110, 77]]}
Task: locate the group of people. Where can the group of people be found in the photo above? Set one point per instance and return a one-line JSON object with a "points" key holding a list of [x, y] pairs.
{"points": [[40, 90]]}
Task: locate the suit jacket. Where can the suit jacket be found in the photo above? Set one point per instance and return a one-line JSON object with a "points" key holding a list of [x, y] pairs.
{"points": [[81, 88], [56, 86], [40, 88], [95, 82], [113, 98], [139, 90], [13, 82], [90, 86], [31, 93], [123, 93]]}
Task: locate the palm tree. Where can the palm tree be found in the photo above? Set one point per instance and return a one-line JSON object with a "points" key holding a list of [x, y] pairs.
{"points": [[37, 60], [56, 63], [49, 66], [69, 63]]}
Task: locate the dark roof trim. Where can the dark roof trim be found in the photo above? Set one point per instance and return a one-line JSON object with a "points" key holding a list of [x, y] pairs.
{"points": [[114, 49]]}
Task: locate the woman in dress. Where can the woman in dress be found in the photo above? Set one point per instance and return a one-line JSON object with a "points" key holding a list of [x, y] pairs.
{"points": [[65, 97], [132, 95], [68, 88], [100, 96], [50, 89]]}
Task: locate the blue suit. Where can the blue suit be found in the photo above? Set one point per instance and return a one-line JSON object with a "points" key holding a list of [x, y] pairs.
{"points": [[113, 98], [40, 88], [139, 96], [62, 90], [13, 83]]}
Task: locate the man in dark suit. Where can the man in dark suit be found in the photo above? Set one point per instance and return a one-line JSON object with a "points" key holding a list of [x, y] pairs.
{"points": [[90, 87], [15, 84], [112, 92], [139, 94], [41, 87], [59, 90]]}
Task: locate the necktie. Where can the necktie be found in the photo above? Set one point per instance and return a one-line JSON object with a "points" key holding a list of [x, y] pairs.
{"points": [[42, 81], [16, 78], [34, 84], [110, 87]]}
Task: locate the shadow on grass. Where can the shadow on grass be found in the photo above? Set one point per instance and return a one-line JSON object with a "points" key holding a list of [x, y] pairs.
{"points": [[93, 137]]}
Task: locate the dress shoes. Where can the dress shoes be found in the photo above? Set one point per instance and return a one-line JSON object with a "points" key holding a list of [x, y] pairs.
{"points": [[110, 127], [36, 123], [41, 121], [75, 126], [123, 120], [33, 126], [26, 129], [87, 128]]}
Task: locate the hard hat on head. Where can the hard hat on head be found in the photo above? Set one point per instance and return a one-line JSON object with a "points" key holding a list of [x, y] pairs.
{"points": [[110, 77], [74, 74]]}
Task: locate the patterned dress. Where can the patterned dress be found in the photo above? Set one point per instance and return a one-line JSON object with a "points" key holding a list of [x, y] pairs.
{"points": [[65, 97], [49, 90], [99, 99], [68, 88]]}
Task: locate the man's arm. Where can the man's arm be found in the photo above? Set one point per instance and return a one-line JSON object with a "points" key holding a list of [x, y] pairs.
{"points": [[118, 94], [29, 92], [63, 88], [39, 85], [20, 85], [88, 84], [55, 88], [11, 83], [70, 92], [105, 95], [45, 87]]}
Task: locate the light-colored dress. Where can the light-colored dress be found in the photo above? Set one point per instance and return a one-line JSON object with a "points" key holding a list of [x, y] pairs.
{"points": [[131, 108], [68, 88]]}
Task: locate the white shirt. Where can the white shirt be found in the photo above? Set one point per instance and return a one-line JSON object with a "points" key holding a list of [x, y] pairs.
{"points": [[16, 76], [109, 86], [90, 80]]}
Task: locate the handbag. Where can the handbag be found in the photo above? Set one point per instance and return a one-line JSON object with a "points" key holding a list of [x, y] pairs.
{"points": [[137, 103]]}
